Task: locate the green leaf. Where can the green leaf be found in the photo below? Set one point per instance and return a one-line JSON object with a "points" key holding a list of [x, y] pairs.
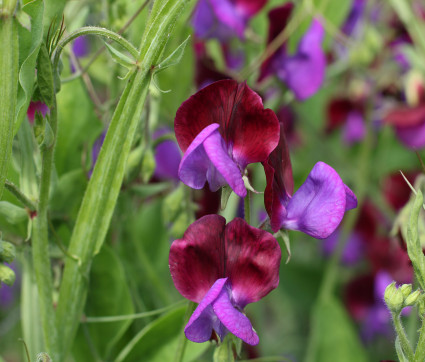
{"points": [[173, 59], [119, 57], [109, 295], [13, 214], [45, 77], [335, 336], [158, 341], [29, 44]]}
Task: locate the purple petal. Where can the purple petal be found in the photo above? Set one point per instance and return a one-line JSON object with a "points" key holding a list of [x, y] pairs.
{"points": [[203, 321], [355, 128], [382, 281], [412, 137], [350, 199], [305, 71], [36, 107], [354, 17], [207, 159], [319, 204], [216, 150], [234, 320]]}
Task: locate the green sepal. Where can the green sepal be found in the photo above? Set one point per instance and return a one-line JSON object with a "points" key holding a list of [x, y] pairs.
{"points": [[285, 237], [226, 191], [119, 57], [224, 352], [45, 77]]}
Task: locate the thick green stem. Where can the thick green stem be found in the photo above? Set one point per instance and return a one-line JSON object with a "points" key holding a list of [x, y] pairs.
{"points": [[9, 56], [102, 191], [420, 347], [247, 207], [40, 246], [405, 344]]}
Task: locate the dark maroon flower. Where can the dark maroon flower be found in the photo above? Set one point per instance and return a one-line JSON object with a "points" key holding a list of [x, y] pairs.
{"points": [[316, 208], [34, 107], [223, 268], [395, 189], [304, 71], [205, 70], [221, 129]]}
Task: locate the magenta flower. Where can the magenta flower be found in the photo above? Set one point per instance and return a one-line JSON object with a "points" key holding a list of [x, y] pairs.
{"points": [[223, 268], [318, 206], [224, 19], [409, 124], [221, 129], [34, 107], [304, 71]]}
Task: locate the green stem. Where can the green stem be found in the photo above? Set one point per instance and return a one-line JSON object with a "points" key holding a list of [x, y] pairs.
{"points": [[247, 207], [40, 245], [183, 340], [92, 30], [130, 316], [9, 56], [405, 344], [104, 186], [12, 188], [420, 347]]}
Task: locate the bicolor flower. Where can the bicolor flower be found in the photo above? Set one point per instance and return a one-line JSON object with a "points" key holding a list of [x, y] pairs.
{"points": [[224, 19], [221, 129], [317, 207], [223, 268], [34, 107], [350, 114], [304, 71]]}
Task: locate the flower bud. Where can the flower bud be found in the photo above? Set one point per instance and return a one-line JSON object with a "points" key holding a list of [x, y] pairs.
{"points": [[412, 298], [7, 251], [394, 298], [7, 275], [406, 289]]}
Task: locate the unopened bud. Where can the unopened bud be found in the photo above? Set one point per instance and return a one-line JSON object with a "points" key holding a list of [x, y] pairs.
{"points": [[412, 298], [406, 289], [7, 275], [394, 298], [7, 251]]}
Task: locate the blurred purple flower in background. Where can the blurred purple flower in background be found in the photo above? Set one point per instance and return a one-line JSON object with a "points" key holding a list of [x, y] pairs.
{"points": [[223, 268], [167, 157], [81, 46], [224, 19], [304, 71], [8, 293], [354, 249], [354, 20]]}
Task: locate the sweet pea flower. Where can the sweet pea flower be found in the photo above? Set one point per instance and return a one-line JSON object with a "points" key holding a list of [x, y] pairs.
{"points": [[316, 208], [34, 107], [167, 157], [350, 115], [223, 268], [224, 19], [221, 129], [304, 71]]}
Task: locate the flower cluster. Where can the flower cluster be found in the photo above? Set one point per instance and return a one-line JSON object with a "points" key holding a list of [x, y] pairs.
{"points": [[221, 130]]}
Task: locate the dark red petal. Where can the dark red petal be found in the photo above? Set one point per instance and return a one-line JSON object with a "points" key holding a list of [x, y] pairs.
{"points": [[395, 189], [252, 264], [280, 183], [196, 260], [338, 110], [406, 116], [250, 130], [278, 18]]}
